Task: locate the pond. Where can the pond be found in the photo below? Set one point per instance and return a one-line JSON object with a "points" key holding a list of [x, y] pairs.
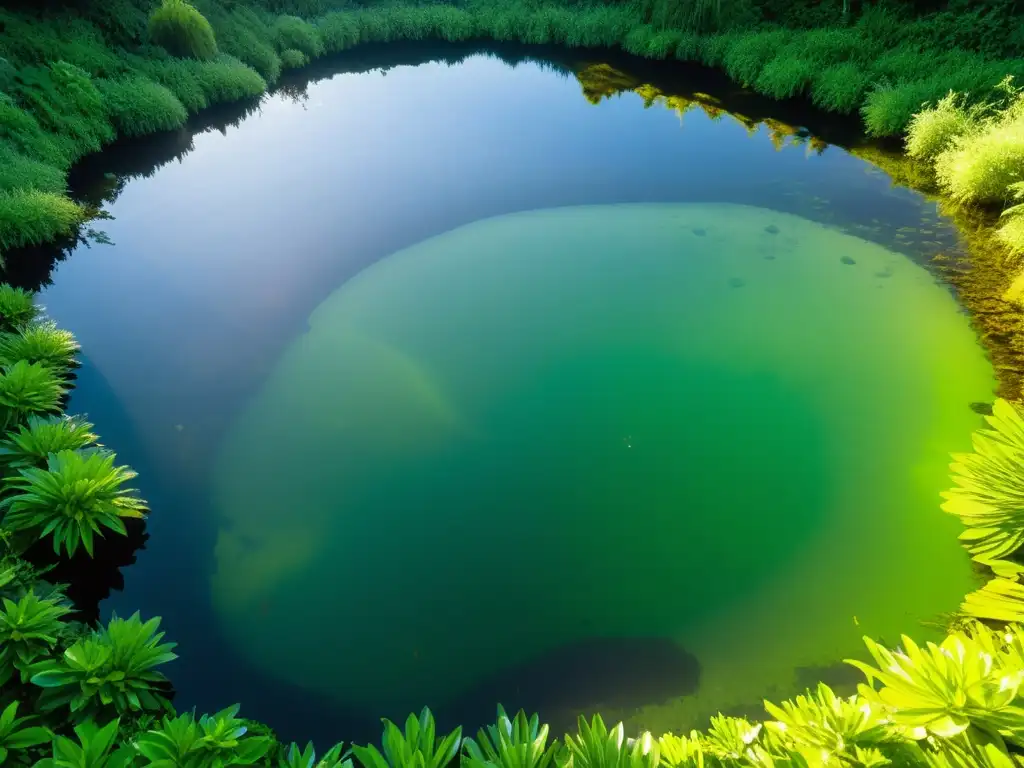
{"points": [[456, 382]]}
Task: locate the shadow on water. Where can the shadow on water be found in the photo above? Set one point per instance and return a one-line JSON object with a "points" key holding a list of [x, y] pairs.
{"points": [[593, 675]]}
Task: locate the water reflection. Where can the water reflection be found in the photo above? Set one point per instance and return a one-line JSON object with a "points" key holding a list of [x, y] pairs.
{"points": [[226, 240]]}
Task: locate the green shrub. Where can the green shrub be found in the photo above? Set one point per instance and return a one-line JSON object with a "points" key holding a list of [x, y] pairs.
{"points": [[293, 33], [416, 745], [31, 217], [137, 106], [18, 308], [43, 343], [108, 672], [982, 167], [23, 133], [32, 443], [198, 84], [784, 77], [749, 53], [73, 499], [20, 172], [519, 742], [888, 109], [293, 59], [840, 88], [255, 53], [182, 30], [714, 49], [26, 390], [29, 628], [934, 128], [65, 101], [339, 31], [217, 740]]}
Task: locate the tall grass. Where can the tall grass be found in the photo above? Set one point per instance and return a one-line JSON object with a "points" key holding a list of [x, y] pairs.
{"points": [[138, 106], [182, 30], [31, 217], [934, 129]]}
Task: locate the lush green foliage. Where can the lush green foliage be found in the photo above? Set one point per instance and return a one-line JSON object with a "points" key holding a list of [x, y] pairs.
{"points": [[293, 59], [596, 746], [417, 745], [182, 30], [934, 129], [520, 742], [293, 33], [28, 389], [43, 343], [138, 106], [31, 444], [72, 500], [214, 740], [18, 308], [95, 748], [16, 735], [109, 671], [31, 217], [28, 631], [1011, 233]]}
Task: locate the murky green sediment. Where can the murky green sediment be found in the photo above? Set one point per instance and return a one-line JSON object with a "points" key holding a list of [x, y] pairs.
{"points": [[715, 423]]}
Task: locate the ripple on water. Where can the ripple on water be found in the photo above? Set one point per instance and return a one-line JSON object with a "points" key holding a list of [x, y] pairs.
{"points": [[568, 424]]}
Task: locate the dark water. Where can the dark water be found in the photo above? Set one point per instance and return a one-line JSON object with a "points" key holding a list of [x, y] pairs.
{"points": [[645, 415]]}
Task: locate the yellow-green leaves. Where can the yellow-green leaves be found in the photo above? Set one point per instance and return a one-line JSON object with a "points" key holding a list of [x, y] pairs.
{"points": [[989, 498], [968, 682], [416, 747]]}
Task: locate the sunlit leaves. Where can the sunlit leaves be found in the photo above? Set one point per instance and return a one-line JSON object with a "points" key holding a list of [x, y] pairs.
{"points": [[28, 389], [72, 500], [519, 742], [43, 343], [596, 746], [989, 498], [416, 746], [32, 443]]}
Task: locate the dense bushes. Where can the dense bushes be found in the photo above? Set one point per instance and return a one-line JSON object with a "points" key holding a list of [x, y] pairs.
{"points": [[137, 106], [31, 217], [182, 30]]}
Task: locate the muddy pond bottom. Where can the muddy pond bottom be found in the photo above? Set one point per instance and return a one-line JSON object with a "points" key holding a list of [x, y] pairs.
{"points": [[651, 460]]}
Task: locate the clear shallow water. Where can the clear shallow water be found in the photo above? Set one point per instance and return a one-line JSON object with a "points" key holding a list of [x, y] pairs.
{"points": [[380, 482]]}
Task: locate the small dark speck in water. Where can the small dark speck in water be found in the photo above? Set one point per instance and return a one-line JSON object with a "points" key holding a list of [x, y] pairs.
{"points": [[848, 260], [884, 273], [699, 232], [985, 409], [771, 229], [770, 256], [737, 282]]}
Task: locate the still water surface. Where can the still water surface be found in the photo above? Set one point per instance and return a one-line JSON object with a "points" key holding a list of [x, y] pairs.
{"points": [[447, 385]]}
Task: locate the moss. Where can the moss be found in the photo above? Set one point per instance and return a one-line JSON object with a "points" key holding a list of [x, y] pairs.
{"points": [[182, 30]]}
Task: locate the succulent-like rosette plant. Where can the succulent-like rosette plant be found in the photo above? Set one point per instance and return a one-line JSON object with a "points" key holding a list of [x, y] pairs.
{"points": [[72, 500], [519, 742], [17, 308], [28, 389], [32, 443], [42, 343], [29, 628], [416, 746]]}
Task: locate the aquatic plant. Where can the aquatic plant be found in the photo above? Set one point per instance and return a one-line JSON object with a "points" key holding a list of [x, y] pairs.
{"points": [[596, 746], [42, 343], [17, 308], [841, 87], [733, 739], [945, 690], [934, 128], [16, 735], [29, 628], [786, 77], [137, 106], [682, 751], [18, 171], [108, 672], [182, 30], [416, 746], [72, 500], [28, 389], [32, 443], [96, 747], [306, 758], [520, 742], [989, 497]]}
